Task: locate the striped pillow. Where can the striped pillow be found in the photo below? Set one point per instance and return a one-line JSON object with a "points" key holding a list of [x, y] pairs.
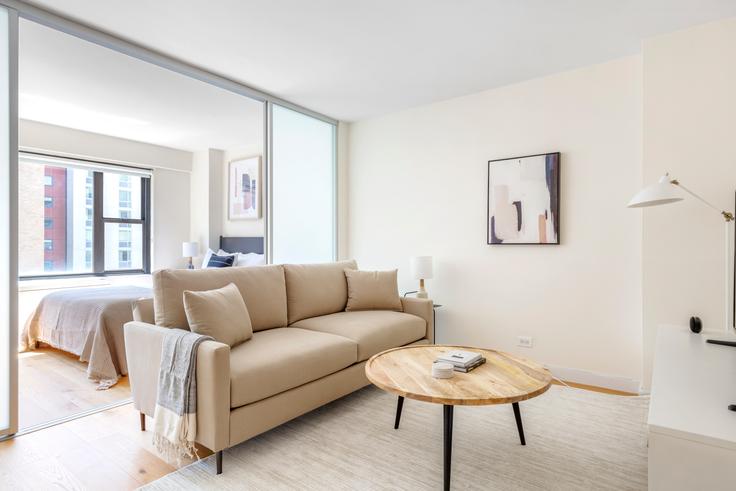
{"points": [[220, 261]]}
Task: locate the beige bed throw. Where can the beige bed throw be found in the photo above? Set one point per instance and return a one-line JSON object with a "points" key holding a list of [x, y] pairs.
{"points": [[87, 322]]}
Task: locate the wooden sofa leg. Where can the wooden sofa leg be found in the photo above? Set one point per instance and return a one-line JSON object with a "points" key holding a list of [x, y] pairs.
{"points": [[218, 459], [143, 422]]}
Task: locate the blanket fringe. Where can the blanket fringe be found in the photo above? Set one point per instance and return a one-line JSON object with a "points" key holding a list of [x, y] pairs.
{"points": [[173, 452]]}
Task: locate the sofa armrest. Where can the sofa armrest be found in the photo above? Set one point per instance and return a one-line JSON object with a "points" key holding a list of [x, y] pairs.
{"points": [[213, 395], [143, 343], [421, 307]]}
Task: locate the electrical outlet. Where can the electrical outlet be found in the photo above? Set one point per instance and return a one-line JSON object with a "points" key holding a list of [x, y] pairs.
{"points": [[525, 341]]}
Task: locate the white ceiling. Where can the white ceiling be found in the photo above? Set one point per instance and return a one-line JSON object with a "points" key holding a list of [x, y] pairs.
{"points": [[69, 82], [351, 59]]}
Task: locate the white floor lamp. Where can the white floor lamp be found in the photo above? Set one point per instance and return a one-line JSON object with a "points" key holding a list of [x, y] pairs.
{"points": [[664, 192]]}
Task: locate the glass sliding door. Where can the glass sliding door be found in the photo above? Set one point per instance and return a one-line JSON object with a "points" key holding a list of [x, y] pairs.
{"points": [[303, 193], [8, 220]]}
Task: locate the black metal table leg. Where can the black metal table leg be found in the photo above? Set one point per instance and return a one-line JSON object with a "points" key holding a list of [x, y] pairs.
{"points": [[399, 406], [448, 444], [517, 415]]}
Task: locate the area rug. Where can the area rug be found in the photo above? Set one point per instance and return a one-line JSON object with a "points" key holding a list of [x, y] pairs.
{"points": [[576, 440]]}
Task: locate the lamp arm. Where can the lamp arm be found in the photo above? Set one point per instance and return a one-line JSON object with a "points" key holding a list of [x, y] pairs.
{"points": [[727, 215]]}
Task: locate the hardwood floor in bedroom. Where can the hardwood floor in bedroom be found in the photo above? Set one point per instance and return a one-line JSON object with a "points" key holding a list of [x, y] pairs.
{"points": [[54, 384]]}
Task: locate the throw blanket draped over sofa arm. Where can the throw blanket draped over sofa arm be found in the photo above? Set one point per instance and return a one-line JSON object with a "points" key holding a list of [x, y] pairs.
{"points": [[143, 343], [421, 307]]}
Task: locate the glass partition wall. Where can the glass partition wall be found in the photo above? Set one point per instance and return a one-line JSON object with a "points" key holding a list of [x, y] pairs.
{"points": [[8, 221], [303, 188]]}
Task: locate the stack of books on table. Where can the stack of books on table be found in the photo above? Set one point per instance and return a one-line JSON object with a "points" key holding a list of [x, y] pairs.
{"points": [[462, 361]]}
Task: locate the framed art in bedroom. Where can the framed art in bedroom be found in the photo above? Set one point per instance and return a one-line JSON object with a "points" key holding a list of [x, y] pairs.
{"points": [[524, 200], [244, 189]]}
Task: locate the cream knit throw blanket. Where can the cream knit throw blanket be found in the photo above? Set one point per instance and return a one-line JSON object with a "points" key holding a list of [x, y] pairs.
{"points": [[175, 418]]}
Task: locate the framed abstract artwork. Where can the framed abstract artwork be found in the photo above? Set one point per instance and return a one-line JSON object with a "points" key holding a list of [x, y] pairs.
{"points": [[524, 200], [244, 189]]}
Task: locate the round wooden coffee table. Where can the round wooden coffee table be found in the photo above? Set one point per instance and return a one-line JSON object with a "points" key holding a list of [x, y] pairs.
{"points": [[502, 379]]}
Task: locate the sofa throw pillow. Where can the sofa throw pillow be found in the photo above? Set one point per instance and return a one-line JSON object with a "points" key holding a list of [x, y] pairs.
{"points": [[372, 290], [219, 313], [220, 261]]}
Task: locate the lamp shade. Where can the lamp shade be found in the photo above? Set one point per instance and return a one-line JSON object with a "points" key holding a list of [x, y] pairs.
{"points": [[662, 193], [189, 249], [421, 267]]}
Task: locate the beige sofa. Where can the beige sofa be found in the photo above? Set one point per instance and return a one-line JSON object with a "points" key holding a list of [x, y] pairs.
{"points": [[305, 352]]}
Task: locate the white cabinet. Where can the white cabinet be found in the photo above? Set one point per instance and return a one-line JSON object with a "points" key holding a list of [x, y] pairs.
{"points": [[692, 434]]}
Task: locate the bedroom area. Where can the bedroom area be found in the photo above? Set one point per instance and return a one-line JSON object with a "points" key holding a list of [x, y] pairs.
{"points": [[124, 168]]}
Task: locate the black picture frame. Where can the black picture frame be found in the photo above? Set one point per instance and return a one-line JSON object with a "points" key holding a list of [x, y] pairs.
{"points": [[555, 207]]}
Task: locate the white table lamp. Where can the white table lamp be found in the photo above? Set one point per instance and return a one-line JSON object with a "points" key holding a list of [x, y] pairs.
{"points": [[421, 269], [190, 250], [665, 192]]}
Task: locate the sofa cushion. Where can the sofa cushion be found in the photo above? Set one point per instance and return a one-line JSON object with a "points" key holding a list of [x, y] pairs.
{"points": [[373, 330], [263, 289], [277, 360], [316, 289], [372, 290], [219, 313]]}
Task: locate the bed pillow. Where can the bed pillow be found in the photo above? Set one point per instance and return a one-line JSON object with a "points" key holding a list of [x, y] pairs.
{"points": [[219, 313], [373, 290], [245, 259], [251, 259], [206, 258], [221, 261]]}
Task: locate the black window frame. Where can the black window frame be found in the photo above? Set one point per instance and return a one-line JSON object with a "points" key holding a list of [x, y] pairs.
{"points": [[99, 221]]}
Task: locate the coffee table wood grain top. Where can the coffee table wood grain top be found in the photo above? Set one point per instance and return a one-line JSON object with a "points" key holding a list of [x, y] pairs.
{"points": [[502, 379]]}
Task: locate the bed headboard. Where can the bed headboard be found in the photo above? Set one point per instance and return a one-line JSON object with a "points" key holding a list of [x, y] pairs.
{"points": [[243, 245]]}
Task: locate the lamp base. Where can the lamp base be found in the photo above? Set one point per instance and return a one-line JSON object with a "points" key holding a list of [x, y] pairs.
{"points": [[422, 294], [190, 265]]}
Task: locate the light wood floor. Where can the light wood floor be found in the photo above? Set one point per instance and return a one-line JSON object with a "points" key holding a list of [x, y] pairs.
{"points": [[106, 450], [54, 384]]}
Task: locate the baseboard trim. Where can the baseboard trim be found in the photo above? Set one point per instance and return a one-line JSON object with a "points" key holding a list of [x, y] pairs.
{"points": [[595, 379]]}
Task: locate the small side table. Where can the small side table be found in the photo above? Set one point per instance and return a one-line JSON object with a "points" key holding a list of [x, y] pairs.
{"points": [[435, 306]]}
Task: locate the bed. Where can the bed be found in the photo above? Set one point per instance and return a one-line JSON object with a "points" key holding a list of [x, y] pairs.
{"points": [[87, 322]]}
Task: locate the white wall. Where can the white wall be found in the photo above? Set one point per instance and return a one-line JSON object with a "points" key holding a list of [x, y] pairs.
{"points": [[689, 114], [209, 196], [170, 182], [417, 185]]}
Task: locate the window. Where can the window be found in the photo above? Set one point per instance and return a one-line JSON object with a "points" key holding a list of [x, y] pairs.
{"points": [[93, 220]]}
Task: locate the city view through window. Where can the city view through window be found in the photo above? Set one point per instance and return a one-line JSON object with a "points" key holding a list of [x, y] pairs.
{"points": [[57, 219]]}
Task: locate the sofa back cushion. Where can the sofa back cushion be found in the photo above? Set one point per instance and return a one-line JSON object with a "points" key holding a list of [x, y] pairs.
{"points": [[262, 287], [316, 289]]}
